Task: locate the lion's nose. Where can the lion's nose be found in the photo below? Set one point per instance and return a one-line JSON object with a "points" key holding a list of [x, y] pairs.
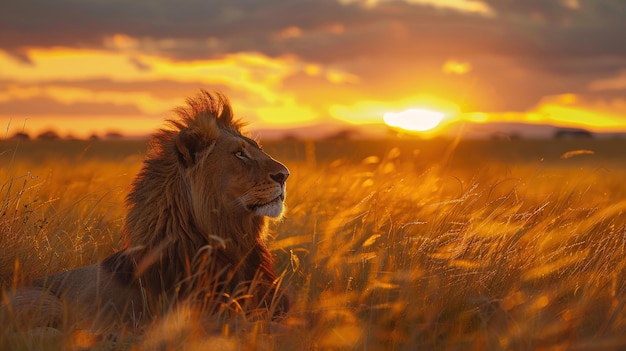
{"points": [[280, 177]]}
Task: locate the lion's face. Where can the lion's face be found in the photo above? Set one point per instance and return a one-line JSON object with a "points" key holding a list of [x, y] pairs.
{"points": [[250, 179], [244, 178]]}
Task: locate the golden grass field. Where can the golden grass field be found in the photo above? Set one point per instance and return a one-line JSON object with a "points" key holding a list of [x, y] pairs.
{"points": [[386, 245]]}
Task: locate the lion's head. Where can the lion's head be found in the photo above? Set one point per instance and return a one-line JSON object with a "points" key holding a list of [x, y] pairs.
{"points": [[229, 173], [203, 195], [226, 173]]}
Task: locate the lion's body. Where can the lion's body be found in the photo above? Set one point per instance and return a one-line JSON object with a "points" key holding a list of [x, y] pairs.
{"points": [[197, 216], [88, 297]]}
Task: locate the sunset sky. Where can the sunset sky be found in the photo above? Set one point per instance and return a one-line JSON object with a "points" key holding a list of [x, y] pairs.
{"points": [[86, 67]]}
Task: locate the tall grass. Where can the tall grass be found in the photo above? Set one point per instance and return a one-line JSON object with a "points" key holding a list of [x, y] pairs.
{"points": [[388, 252], [58, 214]]}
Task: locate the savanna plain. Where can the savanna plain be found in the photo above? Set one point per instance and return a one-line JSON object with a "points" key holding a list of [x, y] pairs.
{"points": [[386, 245]]}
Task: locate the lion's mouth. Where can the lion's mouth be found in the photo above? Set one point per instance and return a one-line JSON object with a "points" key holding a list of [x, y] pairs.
{"points": [[278, 199]]}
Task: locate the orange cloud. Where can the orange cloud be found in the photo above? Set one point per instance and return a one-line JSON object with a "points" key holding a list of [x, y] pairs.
{"points": [[595, 114], [290, 32], [613, 83], [468, 6], [456, 67], [566, 110], [256, 78], [121, 42], [340, 77], [584, 117], [247, 71], [70, 95]]}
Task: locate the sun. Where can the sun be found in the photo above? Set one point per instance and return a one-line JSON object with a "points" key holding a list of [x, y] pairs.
{"points": [[419, 120]]}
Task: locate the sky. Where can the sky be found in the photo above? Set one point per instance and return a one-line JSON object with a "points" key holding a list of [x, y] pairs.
{"points": [[93, 66]]}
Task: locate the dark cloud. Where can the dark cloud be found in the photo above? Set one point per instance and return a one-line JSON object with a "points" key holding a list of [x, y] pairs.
{"points": [[527, 49], [43, 106], [241, 25], [388, 29], [526, 28], [161, 89]]}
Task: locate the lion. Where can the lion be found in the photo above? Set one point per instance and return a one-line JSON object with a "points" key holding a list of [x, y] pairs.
{"points": [[195, 228]]}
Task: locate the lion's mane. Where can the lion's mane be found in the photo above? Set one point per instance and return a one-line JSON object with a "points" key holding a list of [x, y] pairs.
{"points": [[178, 244]]}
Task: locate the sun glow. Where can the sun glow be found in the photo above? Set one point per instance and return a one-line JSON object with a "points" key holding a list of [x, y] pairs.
{"points": [[420, 120]]}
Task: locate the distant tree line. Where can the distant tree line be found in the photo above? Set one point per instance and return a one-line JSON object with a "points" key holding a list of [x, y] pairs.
{"points": [[51, 135]]}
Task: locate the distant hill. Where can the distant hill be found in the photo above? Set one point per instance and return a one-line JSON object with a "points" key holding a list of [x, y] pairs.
{"points": [[516, 130], [499, 130], [503, 130]]}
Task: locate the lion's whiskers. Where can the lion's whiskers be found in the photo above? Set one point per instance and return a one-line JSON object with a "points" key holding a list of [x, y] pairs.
{"points": [[244, 198]]}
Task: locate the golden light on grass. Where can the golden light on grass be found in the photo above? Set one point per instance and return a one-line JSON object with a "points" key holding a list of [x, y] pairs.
{"points": [[482, 252], [419, 120]]}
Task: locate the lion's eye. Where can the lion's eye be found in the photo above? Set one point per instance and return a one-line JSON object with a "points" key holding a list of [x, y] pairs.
{"points": [[241, 155]]}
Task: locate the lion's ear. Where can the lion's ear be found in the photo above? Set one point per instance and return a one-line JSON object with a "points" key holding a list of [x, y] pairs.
{"points": [[188, 144]]}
